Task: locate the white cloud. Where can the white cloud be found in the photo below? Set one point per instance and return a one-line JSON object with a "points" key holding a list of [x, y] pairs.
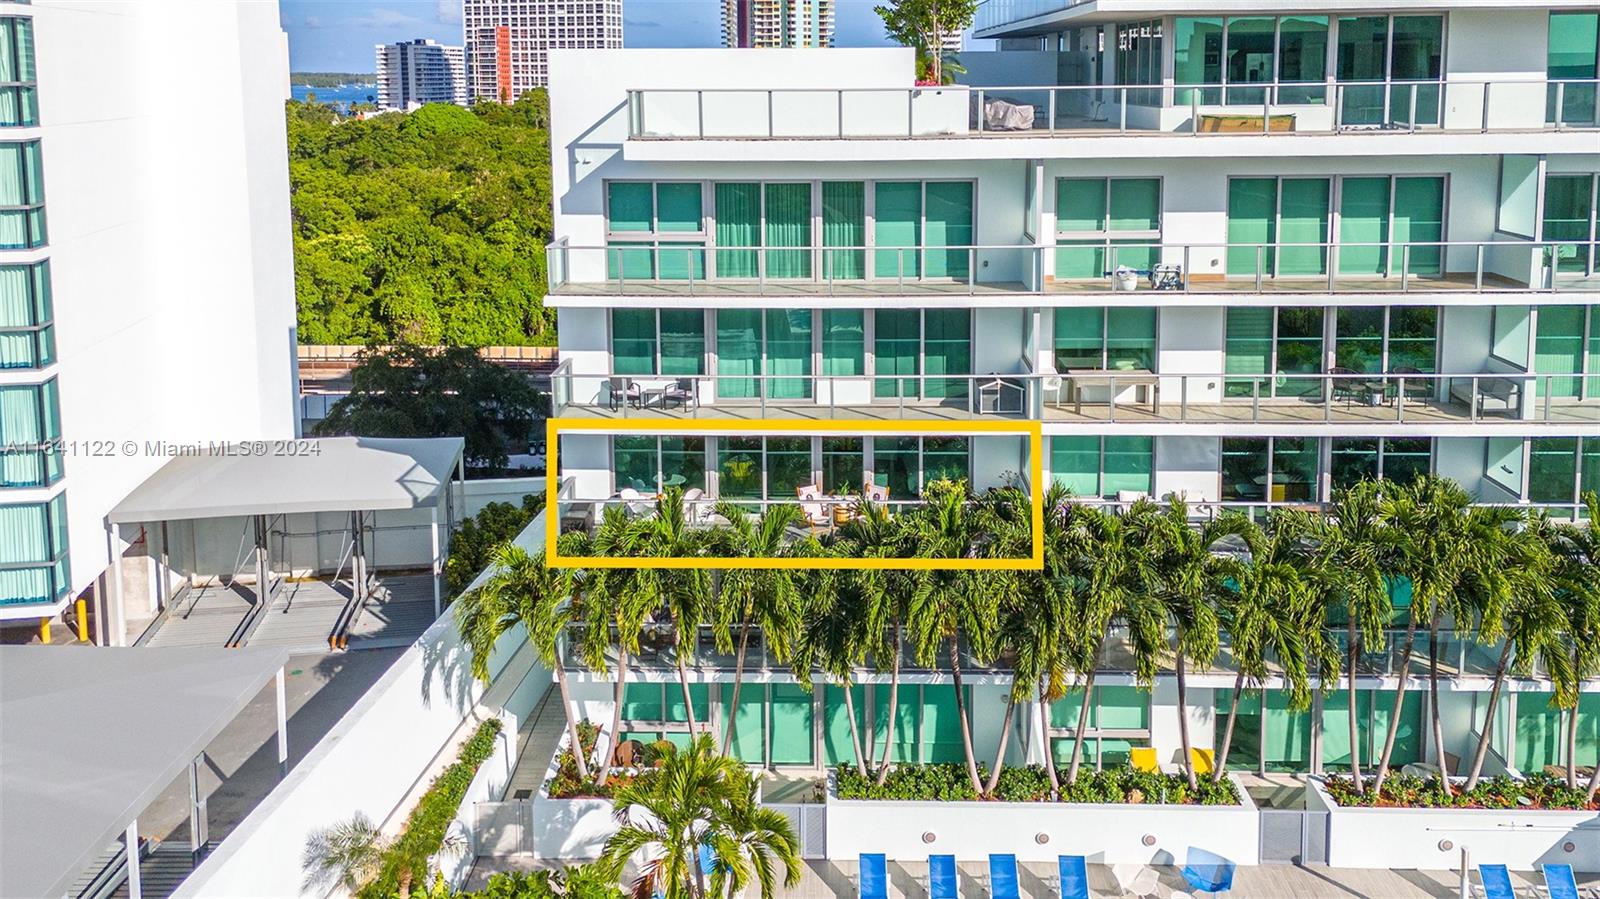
{"points": [[449, 12]]}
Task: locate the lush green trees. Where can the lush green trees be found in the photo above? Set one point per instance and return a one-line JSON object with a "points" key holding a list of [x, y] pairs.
{"points": [[922, 25], [415, 391], [427, 227], [479, 537]]}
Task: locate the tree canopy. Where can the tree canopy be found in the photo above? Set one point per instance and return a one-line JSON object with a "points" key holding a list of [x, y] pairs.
{"points": [[426, 228]]}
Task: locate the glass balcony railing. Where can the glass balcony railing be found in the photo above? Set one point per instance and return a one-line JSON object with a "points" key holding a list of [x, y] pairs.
{"points": [[1074, 266], [1325, 107], [995, 13]]}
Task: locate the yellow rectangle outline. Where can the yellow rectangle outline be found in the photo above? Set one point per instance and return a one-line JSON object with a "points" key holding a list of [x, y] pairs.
{"points": [[1029, 429]]}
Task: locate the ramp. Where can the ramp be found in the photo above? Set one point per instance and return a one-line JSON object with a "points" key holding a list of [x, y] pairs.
{"points": [[208, 616]]}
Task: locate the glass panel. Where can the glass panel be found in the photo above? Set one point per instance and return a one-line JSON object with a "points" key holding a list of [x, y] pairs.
{"points": [[698, 694], [739, 467], [1249, 59], [634, 461], [679, 207], [1079, 337], [1244, 753], [791, 725], [843, 464], [1362, 57], [945, 459], [1302, 59], [1413, 340], [1247, 349], [949, 224], [1122, 708], [1552, 469], [1131, 339], [947, 349], [1075, 464], [1080, 205], [1406, 459], [1567, 212], [1417, 54], [1244, 468], [633, 341], [1288, 737], [788, 353], [683, 462], [896, 222], [1418, 222], [1129, 465], [1352, 460], [894, 465], [629, 206], [1294, 469], [941, 725], [1358, 343], [1363, 225], [903, 744], [1299, 350], [1589, 476], [896, 350], [837, 744], [680, 261], [633, 260], [1197, 57], [1080, 259], [641, 702], [1572, 53], [738, 225], [844, 224], [1303, 219], [788, 218], [749, 738], [1136, 204], [1558, 348], [683, 342], [788, 466], [844, 343], [738, 352], [1252, 221]]}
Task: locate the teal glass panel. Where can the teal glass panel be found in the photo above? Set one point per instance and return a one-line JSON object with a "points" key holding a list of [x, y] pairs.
{"points": [[844, 342], [1353, 460], [1407, 458], [1414, 339], [678, 207], [1244, 469], [750, 736], [1572, 53], [1303, 219], [1081, 259], [1416, 56], [681, 261], [1249, 59], [792, 740], [738, 225], [788, 224], [1558, 348], [1568, 208], [1252, 225], [738, 352], [949, 224], [629, 260], [1288, 737], [1131, 338], [1552, 469], [1080, 205], [634, 461], [1075, 464], [1197, 59], [683, 342], [739, 467], [642, 702], [788, 356], [1129, 465], [677, 712], [1136, 204], [1362, 56], [844, 224], [947, 350], [1589, 479], [1247, 350], [941, 725], [1300, 351], [1122, 708], [788, 466], [897, 350], [897, 222], [683, 462], [1358, 338], [1295, 469], [1244, 752], [633, 341], [1079, 337], [837, 744], [1419, 225], [1363, 226], [895, 465], [903, 736], [1302, 59], [629, 206], [843, 464], [945, 459]]}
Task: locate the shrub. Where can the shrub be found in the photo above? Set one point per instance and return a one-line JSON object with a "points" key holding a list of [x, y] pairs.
{"points": [[1031, 783], [1400, 790], [579, 882], [474, 542]]}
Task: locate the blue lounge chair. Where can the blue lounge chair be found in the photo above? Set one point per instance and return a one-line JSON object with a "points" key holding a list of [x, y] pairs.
{"points": [[942, 880], [1207, 872], [1496, 882], [1074, 876], [1560, 883], [874, 876], [1003, 877]]}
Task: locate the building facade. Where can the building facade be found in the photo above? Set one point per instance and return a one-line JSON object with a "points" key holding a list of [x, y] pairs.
{"points": [[118, 340], [411, 73], [767, 24], [1241, 259], [508, 41]]}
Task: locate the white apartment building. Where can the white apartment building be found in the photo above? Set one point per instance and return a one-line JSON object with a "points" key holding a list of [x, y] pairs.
{"points": [[411, 73], [146, 263], [777, 23], [1243, 257], [508, 41]]}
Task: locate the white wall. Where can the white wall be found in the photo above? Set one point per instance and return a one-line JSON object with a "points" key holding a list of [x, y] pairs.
{"points": [[1190, 341]]}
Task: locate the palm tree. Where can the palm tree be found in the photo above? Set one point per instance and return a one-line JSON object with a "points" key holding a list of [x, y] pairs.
{"points": [[347, 854], [1043, 656], [683, 595], [757, 598], [1005, 516], [697, 797], [883, 598], [831, 642], [1182, 557], [1354, 551], [524, 591], [1575, 552], [622, 614]]}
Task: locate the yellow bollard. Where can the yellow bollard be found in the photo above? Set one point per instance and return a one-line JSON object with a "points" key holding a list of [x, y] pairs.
{"points": [[44, 631], [83, 620]]}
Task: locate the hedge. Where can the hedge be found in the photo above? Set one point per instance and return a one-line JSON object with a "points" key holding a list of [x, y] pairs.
{"points": [[949, 782]]}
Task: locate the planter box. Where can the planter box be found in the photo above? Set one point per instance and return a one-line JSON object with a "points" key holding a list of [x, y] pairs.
{"points": [[1411, 838], [568, 828], [1105, 834]]}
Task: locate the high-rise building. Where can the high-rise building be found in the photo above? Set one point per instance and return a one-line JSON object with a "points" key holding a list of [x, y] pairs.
{"points": [[145, 267], [508, 41], [411, 73], [777, 23], [1243, 261]]}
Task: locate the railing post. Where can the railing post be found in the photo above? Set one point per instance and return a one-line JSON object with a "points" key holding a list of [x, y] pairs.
{"points": [[1400, 399], [770, 130], [1255, 399], [1124, 115], [1052, 110], [700, 113], [1413, 122], [1477, 280], [840, 95], [1266, 110], [1472, 401], [1260, 255], [1111, 398], [980, 110], [1338, 108], [1194, 110], [1545, 394], [972, 270], [1561, 102], [1187, 274], [1183, 398], [1405, 267], [1484, 128], [1327, 396]]}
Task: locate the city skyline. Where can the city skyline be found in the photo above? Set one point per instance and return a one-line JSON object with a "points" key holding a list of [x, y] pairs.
{"points": [[338, 35]]}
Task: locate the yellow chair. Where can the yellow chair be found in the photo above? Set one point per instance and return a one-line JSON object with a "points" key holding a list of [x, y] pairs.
{"points": [[1203, 760], [1143, 758]]}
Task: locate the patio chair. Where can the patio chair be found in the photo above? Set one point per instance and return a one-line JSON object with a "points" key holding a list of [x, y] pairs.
{"points": [[873, 880], [623, 390], [1143, 758], [1417, 390], [683, 391], [1348, 389], [943, 883], [875, 494], [1496, 882], [1074, 874], [697, 508], [634, 502], [1559, 882], [815, 512], [1003, 877], [1135, 879], [1207, 872], [1203, 760]]}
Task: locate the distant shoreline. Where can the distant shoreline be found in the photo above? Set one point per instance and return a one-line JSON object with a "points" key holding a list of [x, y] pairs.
{"points": [[332, 79]]}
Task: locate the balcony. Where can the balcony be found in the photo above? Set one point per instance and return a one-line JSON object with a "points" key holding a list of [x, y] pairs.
{"points": [[1091, 397], [1398, 107], [1159, 271]]}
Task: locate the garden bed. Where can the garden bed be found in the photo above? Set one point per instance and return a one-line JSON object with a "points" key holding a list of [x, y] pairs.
{"points": [[1540, 792], [1031, 783]]}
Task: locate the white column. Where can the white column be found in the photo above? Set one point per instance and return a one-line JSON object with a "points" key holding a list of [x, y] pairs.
{"points": [[115, 617], [433, 532], [283, 728], [197, 812], [130, 844]]}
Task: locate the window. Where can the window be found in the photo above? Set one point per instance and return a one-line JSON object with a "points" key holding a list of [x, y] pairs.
{"points": [[1122, 339], [1574, 52], [1387, 225], [915, 220], [19, 103], [1100, 466], [1285, 341], [1392, 66], [1105, 223], [907, 340], [651, 464], [1372, 339], [1249, 60], [1354, 459], [1562, 469], [655, 230], [1270, 469], [1138, 60], [843, 464], [1119, 719], [652, 712], [30, 426], [844, 342], [27, 335], [21, 196], [1567, 342], [33, 552], [1569, 221], [907, 464], [1373, 709], [783, 711]]}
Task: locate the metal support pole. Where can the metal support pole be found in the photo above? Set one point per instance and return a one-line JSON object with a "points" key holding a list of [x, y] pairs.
{"points": [[263, 562], [433, 531], [114, 612], [283, 727], [199, 827], [130, 846]]}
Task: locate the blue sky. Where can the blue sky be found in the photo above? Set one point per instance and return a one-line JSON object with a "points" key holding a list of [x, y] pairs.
{"points": [[338, 35]]}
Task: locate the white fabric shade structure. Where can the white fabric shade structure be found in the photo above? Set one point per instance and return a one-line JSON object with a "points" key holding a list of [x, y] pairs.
{"points": [[92, 736]]}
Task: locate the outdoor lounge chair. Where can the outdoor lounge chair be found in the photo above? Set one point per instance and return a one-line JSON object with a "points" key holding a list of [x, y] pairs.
{"points": [[1203, 760], [1559, 882], [623, 390], [683, 391], [1074, 874], [1207, 872], [873, 880], [815, 512], [1003, 877], [875, 494], [1496, 882], [1143, 758], [943, 883]]}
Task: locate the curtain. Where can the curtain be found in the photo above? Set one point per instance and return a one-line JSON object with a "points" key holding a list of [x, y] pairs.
{"points": [[843, 342], [24, 536], [1079, 337], [896, 350], [683, 342], [844, 224], [788, 224], [1363, 225], [947, 350], [949, 224], [897, 222], [738, 352], [633, 341], [1131, 339], [1247, 348], [738, 225], [788, 353], [17, 311], [1075, 464], [20, 425], [1252, 220], [1419, 219]]}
